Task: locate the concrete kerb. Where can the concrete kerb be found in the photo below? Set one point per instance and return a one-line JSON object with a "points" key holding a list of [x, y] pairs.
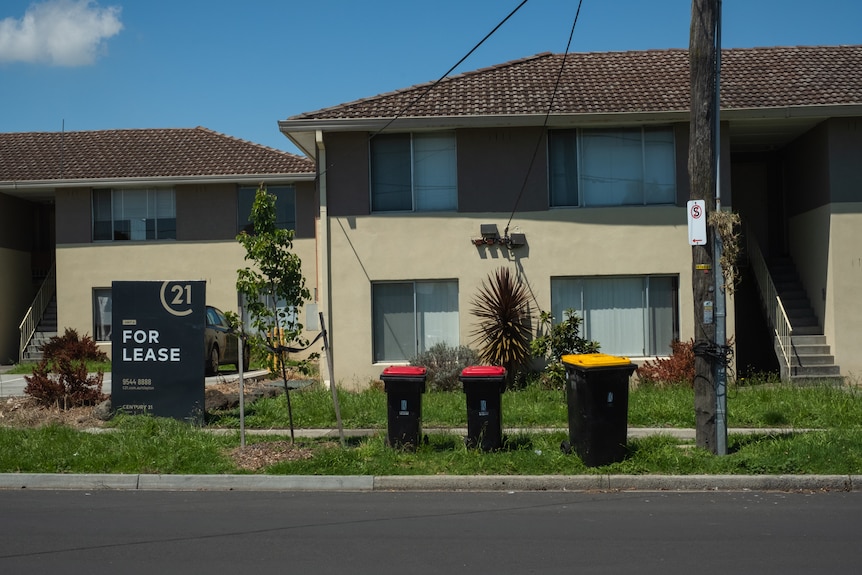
{"points": [[484, 483]]}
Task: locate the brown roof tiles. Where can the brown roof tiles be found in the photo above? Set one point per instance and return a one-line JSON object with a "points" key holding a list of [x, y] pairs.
{"points": [[612, 82], [146, 153]]}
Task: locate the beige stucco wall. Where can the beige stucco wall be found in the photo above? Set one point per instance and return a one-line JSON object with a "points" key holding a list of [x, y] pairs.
{"points": [[16, 294], [564, 242], [844, 289], [824, 244], [81, 268]]}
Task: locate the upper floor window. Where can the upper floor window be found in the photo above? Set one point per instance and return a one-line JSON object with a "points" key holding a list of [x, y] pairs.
{"points": [[618, 167], [134, 214], [414, 172], [285, 207]]}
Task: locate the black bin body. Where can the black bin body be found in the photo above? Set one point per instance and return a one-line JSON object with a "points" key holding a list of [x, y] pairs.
{"points": [[597, 394], [404, 387], [483, 388]]}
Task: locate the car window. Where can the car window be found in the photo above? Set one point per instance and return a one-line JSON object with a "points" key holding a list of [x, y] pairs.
{"points": [[222, 320], [212, 317]]}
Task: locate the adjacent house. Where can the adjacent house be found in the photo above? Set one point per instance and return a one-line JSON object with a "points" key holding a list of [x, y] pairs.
{"points": [[79, 210], [572, 171]]}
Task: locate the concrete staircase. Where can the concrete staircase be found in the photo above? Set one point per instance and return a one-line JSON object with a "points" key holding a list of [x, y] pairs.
{"points": [[46, 330], [812, 360]]}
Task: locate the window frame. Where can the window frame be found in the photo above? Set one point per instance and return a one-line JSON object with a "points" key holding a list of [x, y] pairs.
{"points": [[564, 197], [100, 328], [118, 199], [277, 191], [420, 342], [420, 190], [652, 345]]}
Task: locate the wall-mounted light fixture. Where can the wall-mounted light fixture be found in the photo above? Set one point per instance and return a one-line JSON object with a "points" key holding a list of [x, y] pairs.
{"points": [[489, 236]]}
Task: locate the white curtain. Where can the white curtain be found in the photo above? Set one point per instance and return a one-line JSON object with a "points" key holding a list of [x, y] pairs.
{"points": [[410, 317], [437, 314], [611, 167], [394, 322], [659, 167], [628, 167], [630, 316], [434, 171]]}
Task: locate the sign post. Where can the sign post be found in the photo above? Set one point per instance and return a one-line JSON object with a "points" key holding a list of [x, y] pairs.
{"points": [[158, 348]]}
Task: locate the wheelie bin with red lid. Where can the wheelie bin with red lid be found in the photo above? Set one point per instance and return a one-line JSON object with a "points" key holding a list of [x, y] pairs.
{"points": [[597, 394], [404, 387], [483, 388]]}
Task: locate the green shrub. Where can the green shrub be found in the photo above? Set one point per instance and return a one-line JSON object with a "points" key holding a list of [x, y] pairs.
{"points": [[557, 340], [444, 365]]}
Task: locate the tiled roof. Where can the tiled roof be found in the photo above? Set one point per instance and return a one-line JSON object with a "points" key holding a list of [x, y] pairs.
{"points": [[613, 82], [147, 153]]}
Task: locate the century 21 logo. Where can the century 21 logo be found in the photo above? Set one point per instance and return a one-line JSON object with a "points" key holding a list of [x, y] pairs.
{"points": [[176, 298]]}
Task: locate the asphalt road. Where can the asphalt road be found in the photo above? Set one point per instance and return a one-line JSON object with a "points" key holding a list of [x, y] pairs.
{"points": [[416, 533]]}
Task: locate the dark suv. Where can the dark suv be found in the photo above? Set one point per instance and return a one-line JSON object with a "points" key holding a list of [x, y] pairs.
{"points": [[220, 343]]}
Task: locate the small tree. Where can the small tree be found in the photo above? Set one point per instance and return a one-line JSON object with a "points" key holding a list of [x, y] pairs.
{"points": [[503, 333], [559, 339], [274, 289]]}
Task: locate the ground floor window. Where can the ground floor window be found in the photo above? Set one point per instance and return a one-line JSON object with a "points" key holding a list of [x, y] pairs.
{"points": [[631, 316], [410, 317], [102, 314]]}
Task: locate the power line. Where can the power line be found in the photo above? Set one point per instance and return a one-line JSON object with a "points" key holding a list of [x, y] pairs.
{"points": [[450, 70], [547, 117]]}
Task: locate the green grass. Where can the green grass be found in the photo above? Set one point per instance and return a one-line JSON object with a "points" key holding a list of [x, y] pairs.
{"points": [[136, 445], [748, 406], [156, 445]]}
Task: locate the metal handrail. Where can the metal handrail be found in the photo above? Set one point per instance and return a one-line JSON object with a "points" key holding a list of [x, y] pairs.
{"points": [[771, 301], [34, 315]]}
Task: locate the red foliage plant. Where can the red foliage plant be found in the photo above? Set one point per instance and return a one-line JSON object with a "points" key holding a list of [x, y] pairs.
{"points": [[70, 385], [674, 370]]}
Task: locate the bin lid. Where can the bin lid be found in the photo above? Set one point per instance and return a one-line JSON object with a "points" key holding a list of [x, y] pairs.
{"points": [[483, 371], [589, 360], [405, 370]]}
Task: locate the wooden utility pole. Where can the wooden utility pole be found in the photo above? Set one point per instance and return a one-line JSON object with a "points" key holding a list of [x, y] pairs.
{"points": [[701, 171]]}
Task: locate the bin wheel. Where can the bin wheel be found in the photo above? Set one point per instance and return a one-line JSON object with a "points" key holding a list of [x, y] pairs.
{"points": [[566, 447]]}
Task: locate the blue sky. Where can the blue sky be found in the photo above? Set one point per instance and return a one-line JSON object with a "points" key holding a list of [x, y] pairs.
{"points": [[238, 67]]}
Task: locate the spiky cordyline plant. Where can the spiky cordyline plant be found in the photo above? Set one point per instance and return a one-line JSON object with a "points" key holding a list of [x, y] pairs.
{"points": [[503, 333]]}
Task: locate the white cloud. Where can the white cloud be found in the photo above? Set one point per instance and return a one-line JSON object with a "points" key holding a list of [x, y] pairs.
{"points": [[59, 32]]}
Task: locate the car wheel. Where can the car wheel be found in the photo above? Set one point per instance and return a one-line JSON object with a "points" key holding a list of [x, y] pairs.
{"points": [[212, 363]]}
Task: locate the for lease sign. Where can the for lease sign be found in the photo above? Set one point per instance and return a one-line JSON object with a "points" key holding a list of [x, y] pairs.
{"points": [[158, 348]]}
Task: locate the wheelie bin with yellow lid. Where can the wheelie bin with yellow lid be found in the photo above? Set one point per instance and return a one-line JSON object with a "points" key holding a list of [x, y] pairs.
{"points": [[597, 394]]}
